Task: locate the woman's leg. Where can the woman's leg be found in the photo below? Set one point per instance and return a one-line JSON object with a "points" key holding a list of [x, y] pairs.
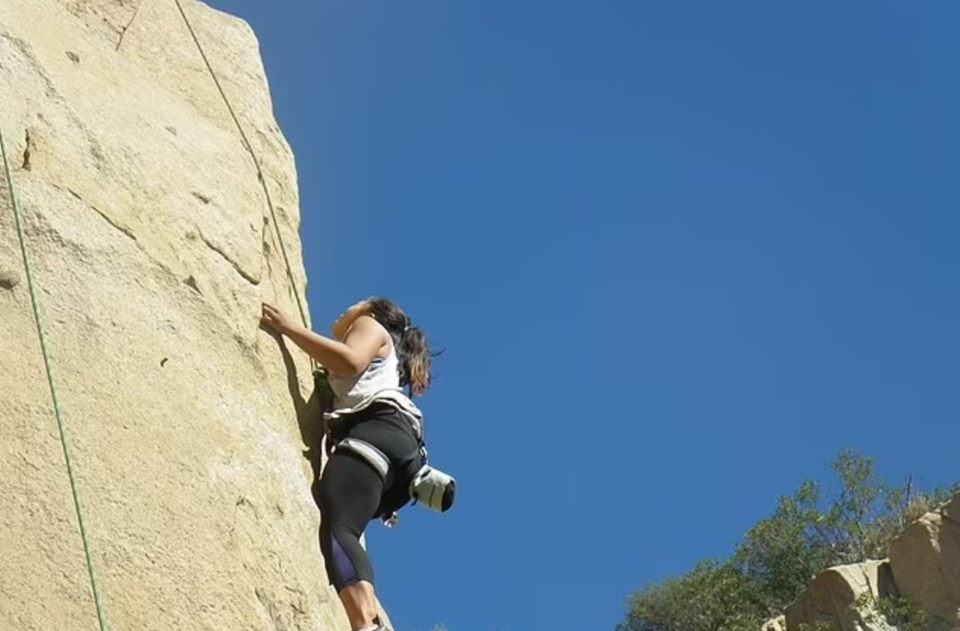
{"points": [[361, 605], [349, 495]]}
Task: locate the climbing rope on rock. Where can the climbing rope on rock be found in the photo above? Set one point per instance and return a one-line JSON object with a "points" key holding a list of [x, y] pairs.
{"points": [[58, 413], [256, 163]]}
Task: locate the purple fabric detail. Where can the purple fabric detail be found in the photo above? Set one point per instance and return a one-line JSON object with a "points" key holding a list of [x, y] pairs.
{"points": [[346, 573]]}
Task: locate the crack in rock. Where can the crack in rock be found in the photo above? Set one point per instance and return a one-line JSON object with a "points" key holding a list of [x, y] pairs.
{"points": [[112, 223], [236, 266], [27, 150], [125, 231], [265, 248], [124, 30]]}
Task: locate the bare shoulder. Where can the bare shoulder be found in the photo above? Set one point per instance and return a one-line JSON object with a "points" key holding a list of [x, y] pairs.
{"points": [[368, 328]]}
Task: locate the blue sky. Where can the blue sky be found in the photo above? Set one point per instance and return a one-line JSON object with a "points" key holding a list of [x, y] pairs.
{"points": [[679, 254]]}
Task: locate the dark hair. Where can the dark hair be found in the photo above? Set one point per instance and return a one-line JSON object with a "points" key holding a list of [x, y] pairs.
{"points": [[411, 344]]}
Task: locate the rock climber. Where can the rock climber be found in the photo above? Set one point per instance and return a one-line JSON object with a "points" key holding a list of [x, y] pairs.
{"points": [[373, 353]]}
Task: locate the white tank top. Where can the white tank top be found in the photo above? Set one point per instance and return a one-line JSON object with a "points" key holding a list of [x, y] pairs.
{"points": [[379, 381]]}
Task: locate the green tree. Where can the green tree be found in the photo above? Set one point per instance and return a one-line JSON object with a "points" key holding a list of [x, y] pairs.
{"points": [[779, 555], [714, 596], [807, 533]]}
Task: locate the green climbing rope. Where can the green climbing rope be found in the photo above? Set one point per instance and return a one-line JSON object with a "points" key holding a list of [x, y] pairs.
{"points": [[101, 616], [256, 163]]}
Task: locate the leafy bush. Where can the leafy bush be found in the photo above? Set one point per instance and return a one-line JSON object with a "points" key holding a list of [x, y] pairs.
{"points": [[893, 610], [714, 596], [807, 533]]}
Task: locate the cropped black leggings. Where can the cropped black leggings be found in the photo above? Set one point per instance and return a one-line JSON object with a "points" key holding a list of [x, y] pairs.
{"points": [[351, 492]]}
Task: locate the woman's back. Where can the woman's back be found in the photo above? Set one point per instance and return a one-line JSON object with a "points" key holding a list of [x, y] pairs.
{"points": [[379, 381], [381, 374]]}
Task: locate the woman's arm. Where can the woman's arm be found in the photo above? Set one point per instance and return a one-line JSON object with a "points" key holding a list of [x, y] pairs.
{"points": [[346, 358]]}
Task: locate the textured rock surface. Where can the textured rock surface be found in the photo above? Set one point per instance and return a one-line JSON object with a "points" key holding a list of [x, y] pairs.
{"points": [[926, 565], [776, 624], [831, 597], [149, 237]]}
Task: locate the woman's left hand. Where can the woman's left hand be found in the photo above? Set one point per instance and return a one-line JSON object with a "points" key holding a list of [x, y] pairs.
{"points": [[272, 318]]}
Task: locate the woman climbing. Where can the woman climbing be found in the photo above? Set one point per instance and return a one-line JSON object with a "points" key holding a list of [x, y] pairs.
{"points": [[374, 352]]}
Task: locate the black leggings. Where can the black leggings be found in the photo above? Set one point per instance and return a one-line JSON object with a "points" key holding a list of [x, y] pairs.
{"points": [[351, 492]]}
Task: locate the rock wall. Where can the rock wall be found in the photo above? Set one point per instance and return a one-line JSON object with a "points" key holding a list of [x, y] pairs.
{"points": [[832, 598], [923, 570], [191, 429], [926, 565]]}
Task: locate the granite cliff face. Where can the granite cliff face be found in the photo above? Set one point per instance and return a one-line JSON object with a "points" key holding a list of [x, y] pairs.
{"points": [[192, 433], [922, 571]]}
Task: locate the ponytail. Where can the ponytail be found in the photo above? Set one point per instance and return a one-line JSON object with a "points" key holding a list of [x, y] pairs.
{"points": [[414, 361], [413, 351]]}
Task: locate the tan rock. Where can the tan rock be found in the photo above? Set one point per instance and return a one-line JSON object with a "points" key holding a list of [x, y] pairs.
{"points": [[926, 565], [9, 278], [952, 508], [776, 624], [832, 597], [187, 424]]}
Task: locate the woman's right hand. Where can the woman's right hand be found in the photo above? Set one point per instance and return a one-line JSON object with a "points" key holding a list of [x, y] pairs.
{"points": [[273, 318]]}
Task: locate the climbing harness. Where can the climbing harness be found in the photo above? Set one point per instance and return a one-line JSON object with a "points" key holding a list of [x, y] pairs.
{"points": [[374, 457], [428, 486], [61, 425]]}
